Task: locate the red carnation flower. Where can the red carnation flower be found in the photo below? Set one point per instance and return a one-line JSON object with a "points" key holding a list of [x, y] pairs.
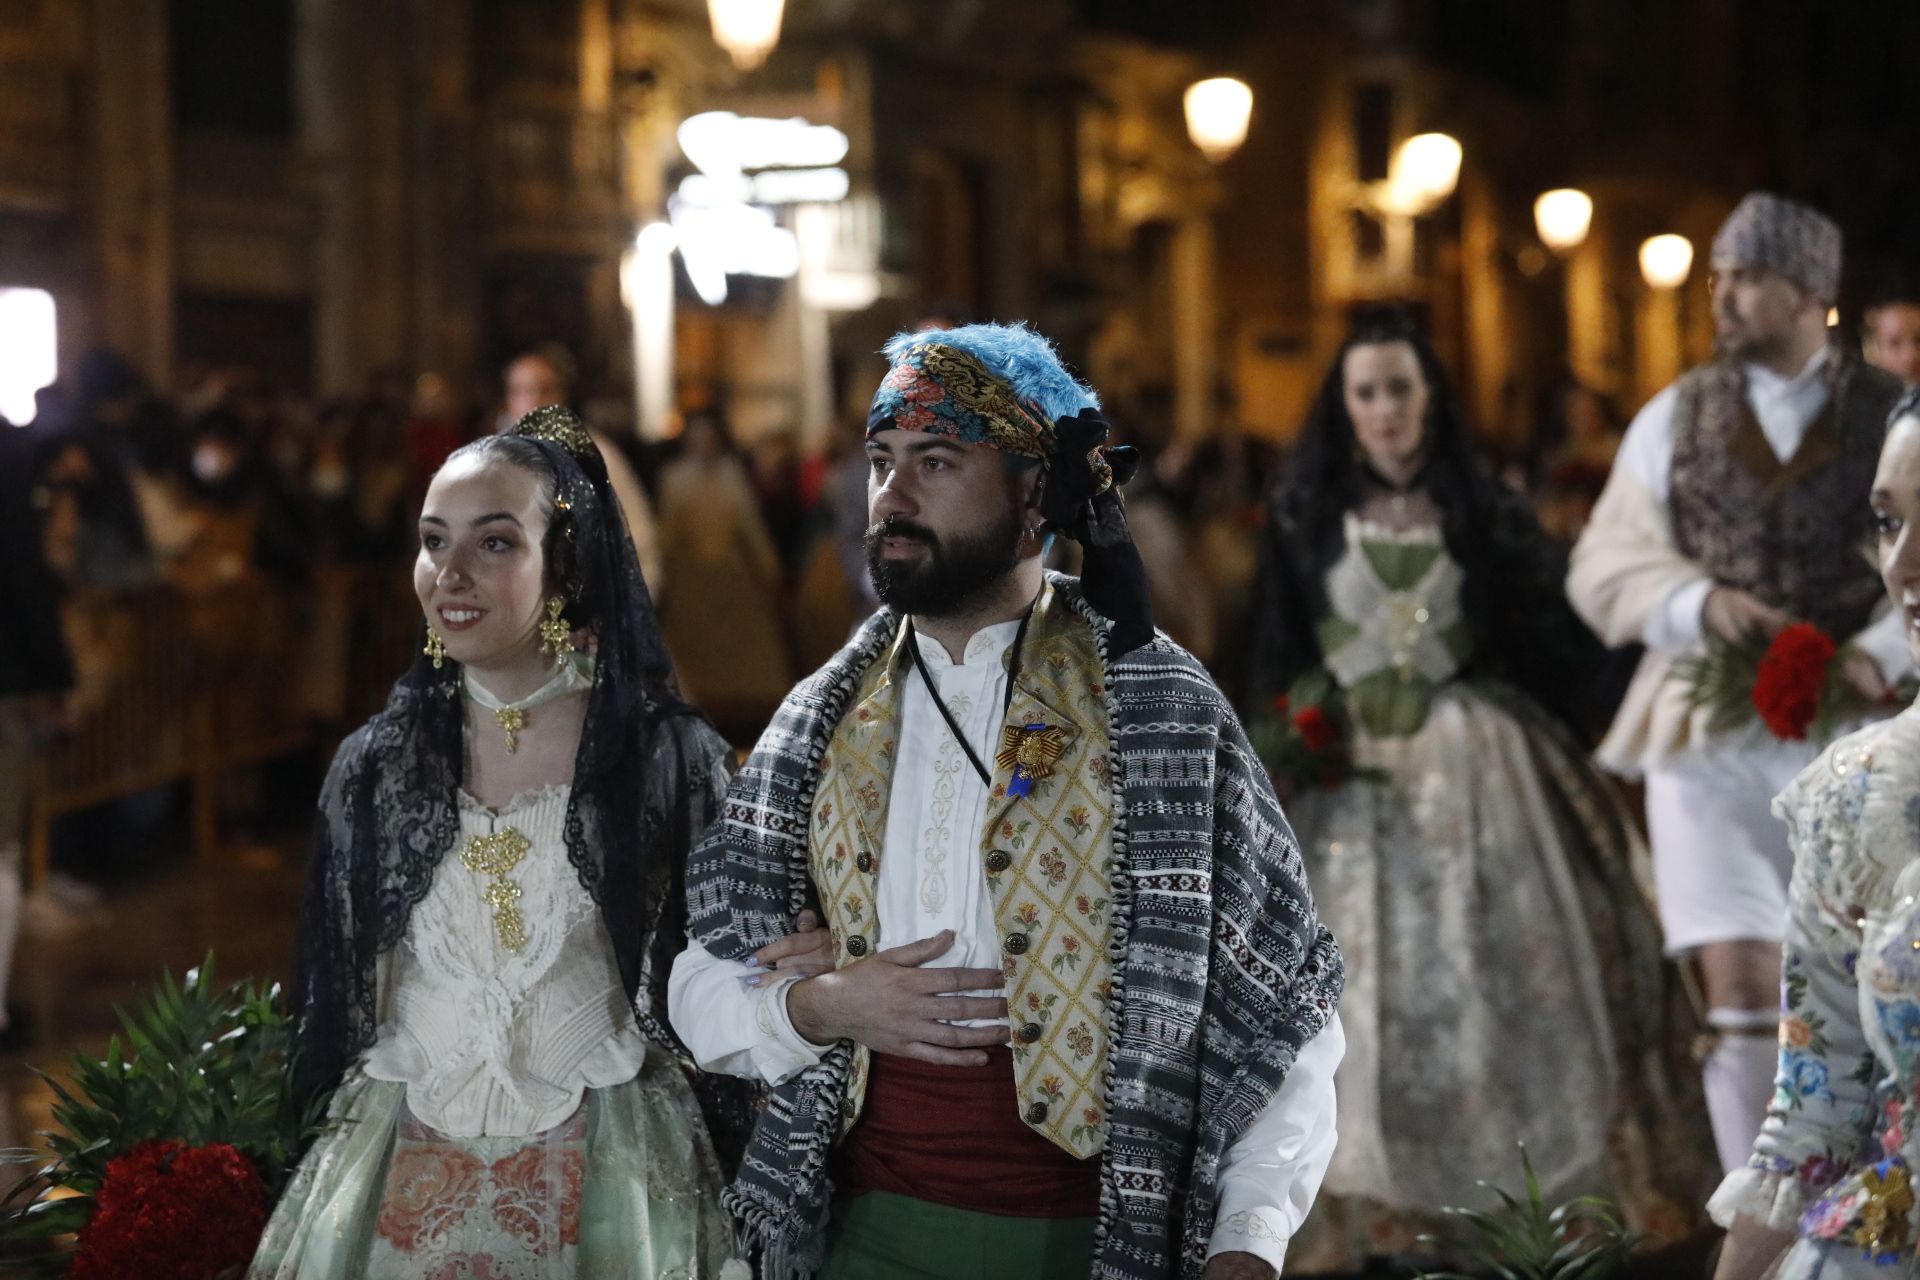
{"points": [[167, 1211], [1314, 728], [1281, 704], [1792, 678]]}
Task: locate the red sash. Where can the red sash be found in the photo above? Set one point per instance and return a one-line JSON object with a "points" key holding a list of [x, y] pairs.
{"points": [[953, 1136]]}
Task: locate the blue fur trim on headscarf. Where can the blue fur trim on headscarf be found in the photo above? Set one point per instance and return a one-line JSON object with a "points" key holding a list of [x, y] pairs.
{"points": [[1015, 353]]}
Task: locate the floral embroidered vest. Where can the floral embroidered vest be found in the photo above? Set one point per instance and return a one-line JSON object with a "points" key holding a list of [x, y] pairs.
{"points": [[1793, 533], [1047, 857]]}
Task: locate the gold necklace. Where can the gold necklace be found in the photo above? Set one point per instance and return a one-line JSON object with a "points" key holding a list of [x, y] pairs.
{"points": [[496, 855]]}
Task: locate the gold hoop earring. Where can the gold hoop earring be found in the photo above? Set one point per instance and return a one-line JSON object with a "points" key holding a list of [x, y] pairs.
{"points": [[556, 637], [436, 648]]}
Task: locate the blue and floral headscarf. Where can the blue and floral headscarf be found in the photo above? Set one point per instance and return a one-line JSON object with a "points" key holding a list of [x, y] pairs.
{"points": [[1002, 387]]}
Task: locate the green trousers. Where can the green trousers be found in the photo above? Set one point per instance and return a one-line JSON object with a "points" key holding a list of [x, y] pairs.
{"points": [[881, 1236]]}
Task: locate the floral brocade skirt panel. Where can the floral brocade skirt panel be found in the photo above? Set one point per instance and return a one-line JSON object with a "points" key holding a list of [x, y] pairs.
{"points": [[1504, 984], [626, 1188]]}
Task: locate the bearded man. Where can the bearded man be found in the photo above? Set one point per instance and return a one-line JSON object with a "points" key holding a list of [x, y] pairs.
{"points": [[1738, 504], [1083, 1020]]}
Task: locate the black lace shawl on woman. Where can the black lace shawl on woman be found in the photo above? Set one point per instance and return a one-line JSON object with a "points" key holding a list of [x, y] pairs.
{"points": [[1524, 631], [648, 777]]}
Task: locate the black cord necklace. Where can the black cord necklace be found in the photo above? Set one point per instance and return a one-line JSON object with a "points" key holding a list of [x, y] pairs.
{"points": [[933, 691]]}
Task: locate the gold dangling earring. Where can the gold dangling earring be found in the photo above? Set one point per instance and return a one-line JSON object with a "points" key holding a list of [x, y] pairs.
{"points": [[556, 637], [436, 648]]}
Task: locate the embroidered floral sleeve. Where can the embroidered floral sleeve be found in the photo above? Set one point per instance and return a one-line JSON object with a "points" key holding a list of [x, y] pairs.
{"points": [[1822, 1111]]}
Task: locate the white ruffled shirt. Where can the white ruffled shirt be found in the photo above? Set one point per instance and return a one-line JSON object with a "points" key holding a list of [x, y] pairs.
{"points": [[491, 1042], [931, 880]]}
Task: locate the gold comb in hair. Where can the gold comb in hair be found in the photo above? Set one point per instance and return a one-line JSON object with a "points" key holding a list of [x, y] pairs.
{"points": [[556, 424]]}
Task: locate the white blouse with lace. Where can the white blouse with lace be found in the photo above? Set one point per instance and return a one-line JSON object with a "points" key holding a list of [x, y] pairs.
{"points": [[493, 1041]]}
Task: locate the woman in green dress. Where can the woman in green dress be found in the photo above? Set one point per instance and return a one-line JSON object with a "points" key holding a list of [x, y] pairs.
{"points": [[1504, 977]]}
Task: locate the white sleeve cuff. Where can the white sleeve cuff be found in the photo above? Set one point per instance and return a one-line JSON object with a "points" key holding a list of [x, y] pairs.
{"points": [[1260, 1232], [1678, 624], [1774, 1200], [1271, 1174], [731, 1028], [773, 1004]]}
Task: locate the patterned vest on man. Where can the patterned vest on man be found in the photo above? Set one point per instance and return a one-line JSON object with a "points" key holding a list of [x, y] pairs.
{"points": [[1793, 533], [1047, 856]]}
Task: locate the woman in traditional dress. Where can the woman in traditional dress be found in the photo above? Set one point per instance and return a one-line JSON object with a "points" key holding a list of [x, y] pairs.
{"points": [[492, 909], [722, 611], [1830, 1181], [1504, 977]]}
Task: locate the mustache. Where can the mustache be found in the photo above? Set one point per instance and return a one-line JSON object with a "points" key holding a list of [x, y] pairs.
{"points": [[896, 526]]}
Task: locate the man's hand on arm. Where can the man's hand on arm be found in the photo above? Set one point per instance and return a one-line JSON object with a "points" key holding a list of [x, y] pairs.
{"points": [[890, 1004], [805, 952]]}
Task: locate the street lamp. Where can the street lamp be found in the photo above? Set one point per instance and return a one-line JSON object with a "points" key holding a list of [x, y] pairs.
{"points": [[1217, 115], [1424, 172], [747, 29], [1563, 217], [1666, 261]]}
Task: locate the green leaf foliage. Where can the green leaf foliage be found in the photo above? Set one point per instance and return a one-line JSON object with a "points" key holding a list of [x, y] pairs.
{"points": [[1526, 1239], [1720, 679]]}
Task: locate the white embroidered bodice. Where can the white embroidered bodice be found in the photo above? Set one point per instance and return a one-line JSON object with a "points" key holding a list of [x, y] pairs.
{"points": [[496, 1042], [1394, 630], [1399, 592]]}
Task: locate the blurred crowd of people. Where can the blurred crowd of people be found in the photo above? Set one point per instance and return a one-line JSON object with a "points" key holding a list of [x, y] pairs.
{"points": [[230, 480], [229, 483]]}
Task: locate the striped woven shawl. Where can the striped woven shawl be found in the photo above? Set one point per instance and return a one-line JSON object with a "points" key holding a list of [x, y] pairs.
{"points": [[1222, 969]]}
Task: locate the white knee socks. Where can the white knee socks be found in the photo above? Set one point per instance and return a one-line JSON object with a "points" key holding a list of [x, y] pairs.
{"points": [[1738, 1076]]}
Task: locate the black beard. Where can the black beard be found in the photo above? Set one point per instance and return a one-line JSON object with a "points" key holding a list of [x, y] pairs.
{"points": [[956, 576]]}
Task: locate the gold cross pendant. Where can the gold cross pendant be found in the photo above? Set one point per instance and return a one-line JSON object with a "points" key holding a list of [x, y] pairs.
{"points": [[495, 856]]}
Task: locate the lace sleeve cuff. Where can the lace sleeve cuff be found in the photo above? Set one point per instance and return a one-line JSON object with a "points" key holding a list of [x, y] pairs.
{"points": [[1774, 1200], [1260, 1232]]}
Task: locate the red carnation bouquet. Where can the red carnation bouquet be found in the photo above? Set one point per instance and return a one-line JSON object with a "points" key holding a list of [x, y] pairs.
{"points": [[1794, 684], [169, 1149], [1306, 742], [167, 1211]]}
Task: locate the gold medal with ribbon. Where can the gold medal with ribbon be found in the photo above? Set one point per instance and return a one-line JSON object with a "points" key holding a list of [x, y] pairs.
{"points": [[1030, 750]]}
